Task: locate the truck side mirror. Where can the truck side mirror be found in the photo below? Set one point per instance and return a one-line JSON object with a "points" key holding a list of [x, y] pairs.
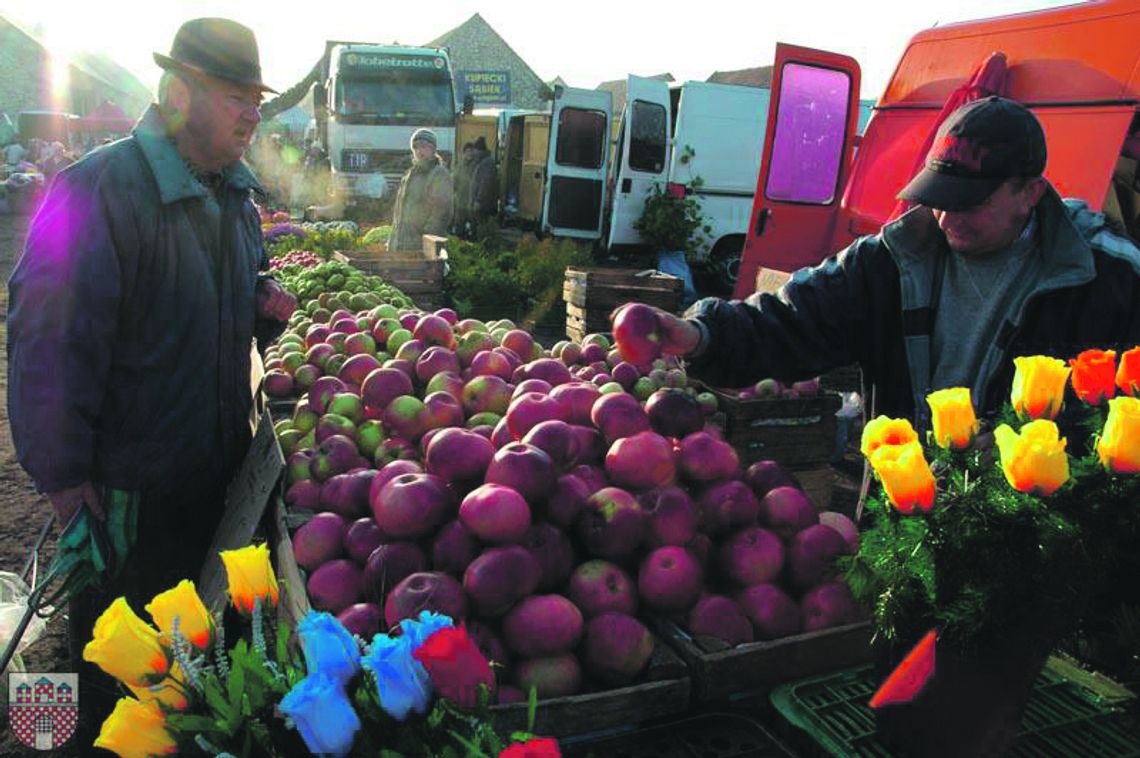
{"points": [[468, 104], [320, 95]]}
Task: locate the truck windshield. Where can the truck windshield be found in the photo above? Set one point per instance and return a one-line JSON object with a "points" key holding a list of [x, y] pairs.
{"points": [[397, 99]]}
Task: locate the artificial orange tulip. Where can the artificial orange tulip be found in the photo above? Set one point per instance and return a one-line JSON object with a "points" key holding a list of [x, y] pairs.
{"points": [[182, 602], [1128, 372], [1033, 459], [906, 476], [1119, 445], [169, 693], [250, 576], [126, 647], [952, 414], [1039, 386], [136, 730], [1094, 375], [886, 431]]}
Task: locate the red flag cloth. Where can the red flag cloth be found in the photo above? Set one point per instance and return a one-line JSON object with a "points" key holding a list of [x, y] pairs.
{"points": [[988, 79]]}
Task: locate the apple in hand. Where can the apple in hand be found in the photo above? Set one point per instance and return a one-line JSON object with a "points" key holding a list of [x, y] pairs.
{"points": [[637, 332]]}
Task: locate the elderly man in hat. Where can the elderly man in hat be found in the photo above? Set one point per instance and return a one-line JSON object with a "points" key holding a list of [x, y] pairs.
{"points": [[132, 315], [991, 264], [424, 200]]}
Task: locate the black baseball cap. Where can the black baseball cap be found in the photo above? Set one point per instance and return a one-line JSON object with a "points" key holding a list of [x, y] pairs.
{"points": [[976, 149]]}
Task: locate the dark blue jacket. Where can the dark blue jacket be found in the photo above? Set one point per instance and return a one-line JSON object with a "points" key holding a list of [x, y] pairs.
{"points": [[131, 321], [872, 304]]}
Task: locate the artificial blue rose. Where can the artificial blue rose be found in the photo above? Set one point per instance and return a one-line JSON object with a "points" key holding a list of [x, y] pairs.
{"points": [[322, 714], [401, 681], [428, 623], [329, 648]]}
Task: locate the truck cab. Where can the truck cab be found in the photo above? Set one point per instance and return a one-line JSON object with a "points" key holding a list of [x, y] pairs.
{"points": [[820, 186], [371, 100]]}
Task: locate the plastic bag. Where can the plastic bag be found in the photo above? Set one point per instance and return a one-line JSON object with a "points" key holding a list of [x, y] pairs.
{"points": [[13, 602], [673, 262]]}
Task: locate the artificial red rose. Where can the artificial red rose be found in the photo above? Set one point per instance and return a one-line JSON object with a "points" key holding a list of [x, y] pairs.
{"points": [[1094, 375], [536, 747], [455, 665]]}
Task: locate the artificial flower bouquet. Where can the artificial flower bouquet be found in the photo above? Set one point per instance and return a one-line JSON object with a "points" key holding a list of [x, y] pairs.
{"points": [[423, 691], [1040, 537]]}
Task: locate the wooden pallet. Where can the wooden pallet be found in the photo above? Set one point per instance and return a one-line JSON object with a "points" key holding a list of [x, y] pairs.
{"points": [[665, 690], [793, 431], [592, 294], [719, 671]]}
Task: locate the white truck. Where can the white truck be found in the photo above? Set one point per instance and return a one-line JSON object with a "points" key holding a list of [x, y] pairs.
{"points": [[368, 102]]}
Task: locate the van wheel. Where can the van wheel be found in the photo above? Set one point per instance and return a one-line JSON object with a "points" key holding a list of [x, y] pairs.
{"points": [[724, 262]]}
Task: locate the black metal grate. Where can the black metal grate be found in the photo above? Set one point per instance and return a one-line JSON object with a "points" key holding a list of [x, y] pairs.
{"points": [[718, 735], [1061, 720]]}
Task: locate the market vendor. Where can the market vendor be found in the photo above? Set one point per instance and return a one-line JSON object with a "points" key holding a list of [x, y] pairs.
{"points": [[424, 200], [991, 264], [132, 316]]}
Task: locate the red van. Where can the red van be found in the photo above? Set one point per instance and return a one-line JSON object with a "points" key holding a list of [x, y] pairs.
{"points": [[1077, 67]]}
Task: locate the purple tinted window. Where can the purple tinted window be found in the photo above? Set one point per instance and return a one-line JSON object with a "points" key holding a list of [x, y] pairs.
{"points": [[810, 128]]}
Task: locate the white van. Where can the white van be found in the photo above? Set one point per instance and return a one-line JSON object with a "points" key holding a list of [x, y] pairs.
{"points": [[675, 134]]}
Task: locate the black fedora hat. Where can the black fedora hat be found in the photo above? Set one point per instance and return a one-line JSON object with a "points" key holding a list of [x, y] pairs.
{"points": [[218, 47]]}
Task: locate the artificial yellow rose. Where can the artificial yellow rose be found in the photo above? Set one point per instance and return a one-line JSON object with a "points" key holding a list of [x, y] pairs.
{"points": [[1119, 445], [906, 476], [126, 647], [955, 424], [136, 730], [182, 602], [170, 692], [1033, 460], [886, 431], [250, 576], [1039, 386]]}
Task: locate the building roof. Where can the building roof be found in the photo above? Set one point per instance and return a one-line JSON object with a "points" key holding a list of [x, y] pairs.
{"points": [[478, 25], [97, 66], [761, 76]]}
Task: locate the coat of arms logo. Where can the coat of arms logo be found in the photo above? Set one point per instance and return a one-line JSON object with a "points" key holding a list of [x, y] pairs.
{"points": [[43, 709]]}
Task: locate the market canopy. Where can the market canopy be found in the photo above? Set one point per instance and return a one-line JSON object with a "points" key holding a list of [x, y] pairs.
{"points": [[106, 117]]}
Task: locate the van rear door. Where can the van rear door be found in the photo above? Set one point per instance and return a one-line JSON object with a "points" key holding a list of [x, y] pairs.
{"points": [[577, 160], [808, 145], [643, 155]]}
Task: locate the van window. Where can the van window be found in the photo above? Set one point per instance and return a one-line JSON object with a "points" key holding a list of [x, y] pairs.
{"points": [[581, 138], [810, 129], [647, 140]]}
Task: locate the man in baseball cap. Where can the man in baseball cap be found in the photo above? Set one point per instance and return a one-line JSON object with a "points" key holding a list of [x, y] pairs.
{"points": [[989, 264]]}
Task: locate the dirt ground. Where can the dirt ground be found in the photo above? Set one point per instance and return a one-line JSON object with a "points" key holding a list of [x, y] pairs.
{"points": [[22, 510]]}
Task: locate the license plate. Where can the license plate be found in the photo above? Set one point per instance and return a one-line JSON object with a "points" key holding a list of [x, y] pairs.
{"points": [[356, 160]]}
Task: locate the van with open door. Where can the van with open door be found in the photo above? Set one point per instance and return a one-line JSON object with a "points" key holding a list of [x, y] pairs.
{"points": [[820, 186], [703, 136], [554, 165]]}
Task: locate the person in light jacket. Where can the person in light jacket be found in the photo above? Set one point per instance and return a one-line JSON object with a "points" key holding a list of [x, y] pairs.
{"points": [[424, 200]]}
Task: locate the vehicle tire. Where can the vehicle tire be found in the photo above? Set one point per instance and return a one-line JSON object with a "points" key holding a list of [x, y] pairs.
{"points": [[724, 261]]}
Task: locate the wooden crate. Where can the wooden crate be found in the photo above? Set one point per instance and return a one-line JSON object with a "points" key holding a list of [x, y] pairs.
{"points": [[663, 691], [793, 431], [719, 671], [591, 295]]}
